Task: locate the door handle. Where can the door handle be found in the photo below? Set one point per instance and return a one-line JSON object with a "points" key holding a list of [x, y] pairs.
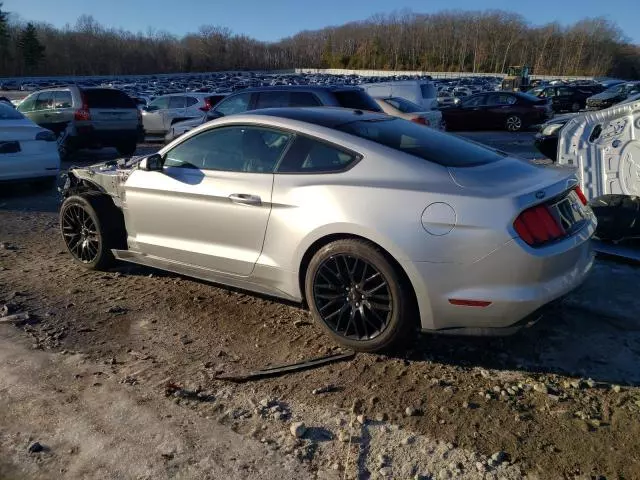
{"points": [[245, 199]]}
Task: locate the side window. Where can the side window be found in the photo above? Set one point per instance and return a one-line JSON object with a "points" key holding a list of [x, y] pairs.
{"points": [[44, 101], [191, 101], [62, 99], [500, 99], [303, 99], [161, 103], [235, 104], [28, 104], [474, 101], [177, 102], [307, 155], [564, 91], [272, 99], [235, 149]]}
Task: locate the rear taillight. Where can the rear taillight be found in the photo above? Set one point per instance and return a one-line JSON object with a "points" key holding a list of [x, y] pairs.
{"points": [[537, 226], [207, 105], [581, 196], [421, 121], [83, 113]]}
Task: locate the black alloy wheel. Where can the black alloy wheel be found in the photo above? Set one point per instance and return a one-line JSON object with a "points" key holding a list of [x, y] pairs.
{"points": [[352, 297], [80, 234]]}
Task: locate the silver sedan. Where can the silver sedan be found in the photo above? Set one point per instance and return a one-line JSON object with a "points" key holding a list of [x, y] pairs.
{"points": [[379, 225]]}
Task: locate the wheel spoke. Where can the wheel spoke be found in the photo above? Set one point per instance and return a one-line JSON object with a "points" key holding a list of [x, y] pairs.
{"points": [[375, 289]]}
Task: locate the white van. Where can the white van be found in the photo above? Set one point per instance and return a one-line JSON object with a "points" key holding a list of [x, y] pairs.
{"points": [[421, 92]]}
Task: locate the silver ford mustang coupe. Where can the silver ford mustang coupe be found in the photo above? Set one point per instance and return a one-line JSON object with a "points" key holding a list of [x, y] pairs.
{"points": [[381, 226]]}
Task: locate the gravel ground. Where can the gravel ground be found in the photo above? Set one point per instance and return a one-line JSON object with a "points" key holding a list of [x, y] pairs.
{"points": [[115, 375]]}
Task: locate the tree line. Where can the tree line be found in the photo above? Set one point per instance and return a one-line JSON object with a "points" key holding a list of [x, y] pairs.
{"points": [[456, 41]]}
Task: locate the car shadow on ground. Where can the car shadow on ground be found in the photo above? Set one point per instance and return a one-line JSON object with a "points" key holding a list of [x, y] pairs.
{"points": [[588, 335]]}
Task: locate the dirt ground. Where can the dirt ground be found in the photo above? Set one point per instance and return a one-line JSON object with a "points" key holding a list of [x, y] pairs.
{"points": [[114, 374]]}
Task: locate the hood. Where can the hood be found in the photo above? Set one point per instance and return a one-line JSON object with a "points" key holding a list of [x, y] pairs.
{"points": [[606, 96]]}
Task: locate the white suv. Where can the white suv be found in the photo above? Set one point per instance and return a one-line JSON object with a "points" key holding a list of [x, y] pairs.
{"points": [[164, 111]]}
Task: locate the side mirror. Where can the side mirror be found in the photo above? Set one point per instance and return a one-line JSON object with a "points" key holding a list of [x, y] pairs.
{"points": [[152, 163]]}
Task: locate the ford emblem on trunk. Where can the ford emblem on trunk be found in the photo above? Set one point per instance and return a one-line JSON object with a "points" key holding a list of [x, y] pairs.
{"points": [[540, 194]]}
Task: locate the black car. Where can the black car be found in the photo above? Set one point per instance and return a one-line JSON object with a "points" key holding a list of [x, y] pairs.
{"points": [[570, 98], [512, 111], [613, 95], [546, 140]]}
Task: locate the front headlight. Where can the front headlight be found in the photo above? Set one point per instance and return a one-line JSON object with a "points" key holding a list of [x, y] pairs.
{"points": [[551, 129]]}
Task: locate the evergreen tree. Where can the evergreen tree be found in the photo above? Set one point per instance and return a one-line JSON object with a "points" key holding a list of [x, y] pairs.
{"points": [[32, 49], [4, 39]]}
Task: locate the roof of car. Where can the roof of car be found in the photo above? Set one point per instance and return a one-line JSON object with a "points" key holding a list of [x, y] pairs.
{"points": [[312, 88], [329, 117]]}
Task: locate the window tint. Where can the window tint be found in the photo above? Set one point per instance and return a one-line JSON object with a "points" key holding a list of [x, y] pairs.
{"points": [[107, 98], [162, 102], [236, 149], [272, 99], [176, 102], [356, 99], [500, 99], [564, 91], [307, 155], [405, 106], [303, 99], [9, 113], [191, 101], [235, 104], [62, 99], [44, 101], [474, 101], [28, 104], [425, 143]]}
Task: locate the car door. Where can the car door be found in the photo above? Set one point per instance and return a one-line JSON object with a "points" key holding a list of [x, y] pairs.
{"points": [[498, 107], [153, 115], [465, 116], [210, 205], [174, 112], [63, 111], [41, 113]]}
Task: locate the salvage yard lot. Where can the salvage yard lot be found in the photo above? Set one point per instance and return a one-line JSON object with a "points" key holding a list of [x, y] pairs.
{"points": [[115, 375]]}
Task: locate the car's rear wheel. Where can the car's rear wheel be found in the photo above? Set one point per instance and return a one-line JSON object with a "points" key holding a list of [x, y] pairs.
{"points": [[358, 297], [90, 227], [127, 148], [513, 123]]}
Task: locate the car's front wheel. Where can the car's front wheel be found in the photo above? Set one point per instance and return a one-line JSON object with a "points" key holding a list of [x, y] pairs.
{"points": [[84, 223], [358, 296]]}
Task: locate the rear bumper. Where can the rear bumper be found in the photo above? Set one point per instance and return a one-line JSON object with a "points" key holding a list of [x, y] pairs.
{"points": [[517, 280]]}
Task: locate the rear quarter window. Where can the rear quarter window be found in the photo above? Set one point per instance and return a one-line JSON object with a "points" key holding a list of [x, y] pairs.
{"points": [[356, 99], [425, 143], [308, 155], [107, 98]]}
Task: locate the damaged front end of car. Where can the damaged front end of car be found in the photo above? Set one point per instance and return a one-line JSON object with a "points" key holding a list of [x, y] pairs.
{"points": [[107, 177]]}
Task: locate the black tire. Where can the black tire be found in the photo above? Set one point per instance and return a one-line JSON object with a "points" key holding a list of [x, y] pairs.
{"points": [[618, 216], [371, 329], [513, 123], [127, 148], [91, 225]]}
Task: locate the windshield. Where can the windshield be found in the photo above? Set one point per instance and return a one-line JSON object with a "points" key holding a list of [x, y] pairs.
{"points": [[9, 113], [536, 91], [407, 137]]}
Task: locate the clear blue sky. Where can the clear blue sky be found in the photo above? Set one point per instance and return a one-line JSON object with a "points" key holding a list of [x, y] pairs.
{"points": [[274, 19]]}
